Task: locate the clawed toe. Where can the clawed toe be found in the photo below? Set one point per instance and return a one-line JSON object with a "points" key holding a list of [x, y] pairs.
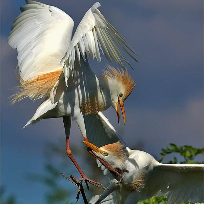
{"points": [[79, 185], [92, 182], [75, 180], [97, 184]]}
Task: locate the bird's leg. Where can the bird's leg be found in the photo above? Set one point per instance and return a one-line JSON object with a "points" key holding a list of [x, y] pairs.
{"points": [[70, 155], [67, 126], [84, 177], [108, 166]]}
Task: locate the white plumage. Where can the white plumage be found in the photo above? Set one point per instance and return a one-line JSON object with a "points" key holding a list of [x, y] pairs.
{"points": [[144, 177], [42, 36], [95, 32]]}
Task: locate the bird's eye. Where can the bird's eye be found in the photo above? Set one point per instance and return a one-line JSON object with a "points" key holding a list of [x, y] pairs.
{"points": [[105, 154], [120, 95]]}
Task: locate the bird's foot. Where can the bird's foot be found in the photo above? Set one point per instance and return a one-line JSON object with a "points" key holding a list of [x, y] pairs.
{"points": [[80, 187], [92, 182]]}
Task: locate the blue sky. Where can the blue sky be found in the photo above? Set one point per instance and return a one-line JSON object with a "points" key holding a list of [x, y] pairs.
{"points": [[165, 107]]}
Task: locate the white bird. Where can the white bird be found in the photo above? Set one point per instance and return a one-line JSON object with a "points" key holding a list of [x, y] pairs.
{"points": [[42, 36], [144, 177]]}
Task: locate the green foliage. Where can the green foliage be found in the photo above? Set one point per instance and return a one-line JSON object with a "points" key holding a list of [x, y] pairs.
{"points": [[187, 152], [155, 200], [158, 200], [59, 194], [11, 199]]}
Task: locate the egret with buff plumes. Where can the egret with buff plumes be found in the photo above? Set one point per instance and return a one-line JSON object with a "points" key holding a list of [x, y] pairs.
{"points": [[143, 177], [53, 66]]}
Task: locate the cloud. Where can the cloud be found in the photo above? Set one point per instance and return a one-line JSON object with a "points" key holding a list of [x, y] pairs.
{"points": [[166, 105], [181, 125], [169, 47], [187, 6], [8, 74], [162, 36]]}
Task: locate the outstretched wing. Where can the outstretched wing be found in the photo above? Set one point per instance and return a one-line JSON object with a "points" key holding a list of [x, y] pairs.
{"points": [[179, 182], [99, 131], [41, 34], [110, 196], [110, 199], [95, 32]]}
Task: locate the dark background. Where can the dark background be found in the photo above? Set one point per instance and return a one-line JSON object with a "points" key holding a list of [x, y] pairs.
{"points": [[165, 107]]}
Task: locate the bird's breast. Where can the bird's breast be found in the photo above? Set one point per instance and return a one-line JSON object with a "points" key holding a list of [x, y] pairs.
{"points": [[136, 184], [87, 99], [134, 178], [93, 104]]}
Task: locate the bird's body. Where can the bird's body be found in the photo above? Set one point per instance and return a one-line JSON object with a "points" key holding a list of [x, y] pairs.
{"points": [[72, 100], [54, 65], [88, 95], [144, 177]]}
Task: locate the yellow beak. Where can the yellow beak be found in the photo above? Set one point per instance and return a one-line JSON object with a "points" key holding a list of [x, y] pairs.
{"points": [[95, 148], [120, 102]]}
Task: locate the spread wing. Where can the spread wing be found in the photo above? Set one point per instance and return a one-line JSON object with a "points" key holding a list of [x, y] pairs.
{"points": [[110, 196], [95, 33], [110, 199], [179, 182], [99, 131], [41, 34]]}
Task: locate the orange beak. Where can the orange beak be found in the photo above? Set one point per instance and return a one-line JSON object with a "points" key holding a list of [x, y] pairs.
{"points": [[95, 148], [120, 102]]}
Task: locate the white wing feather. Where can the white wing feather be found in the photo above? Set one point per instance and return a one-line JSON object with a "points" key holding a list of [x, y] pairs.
{"points": [[180, 182], [95, 32], [110, 199], [41, 34], [110, 196], [99, 131], [42, 110]]}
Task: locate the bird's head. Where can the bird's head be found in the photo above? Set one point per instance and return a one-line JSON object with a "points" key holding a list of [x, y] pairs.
{"points": [[114, 154], [120, 85]]}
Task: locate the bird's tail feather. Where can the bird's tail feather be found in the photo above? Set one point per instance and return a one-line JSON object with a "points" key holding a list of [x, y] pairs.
{"points": [[42, 111]]}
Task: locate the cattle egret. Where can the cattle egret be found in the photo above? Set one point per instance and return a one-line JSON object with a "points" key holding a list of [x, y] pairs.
{"points": [[42, 36], [144, 177]]}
